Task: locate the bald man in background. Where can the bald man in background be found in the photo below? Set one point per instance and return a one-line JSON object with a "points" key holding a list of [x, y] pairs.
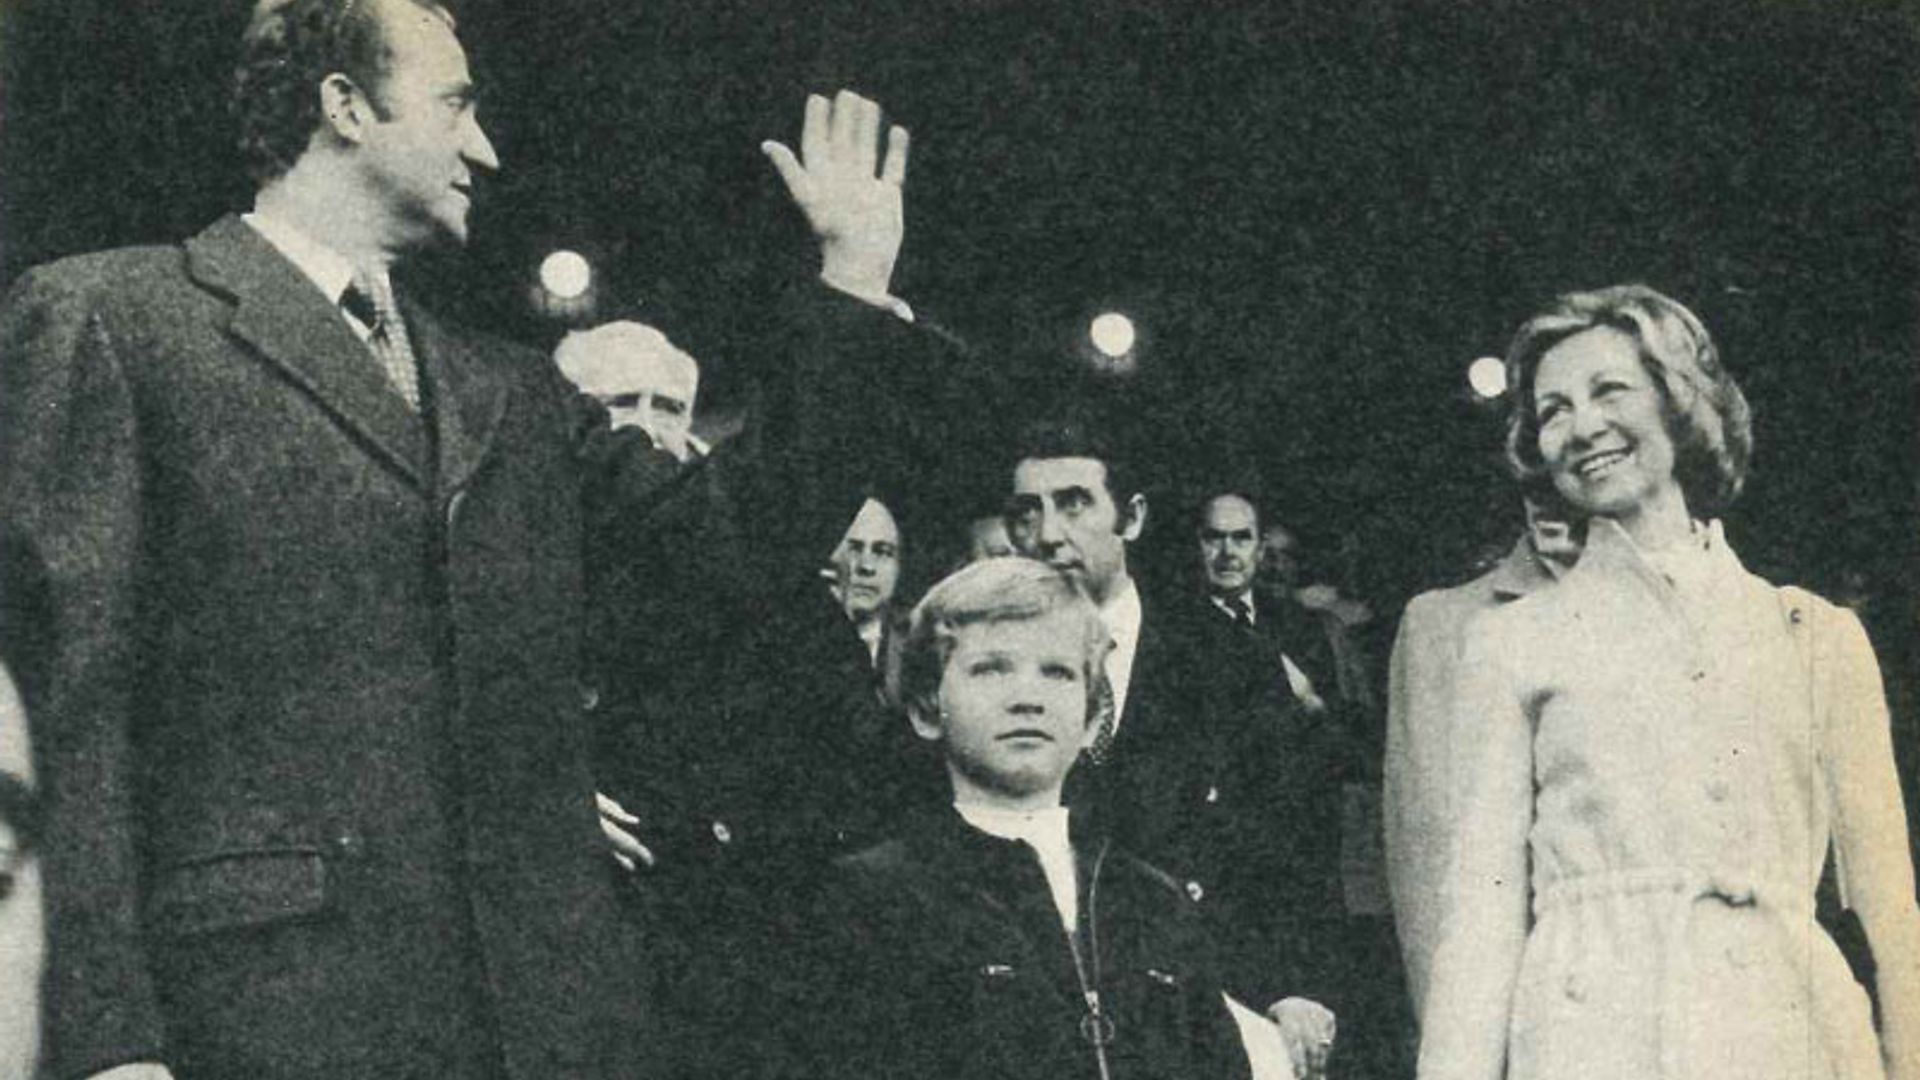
{"points": [[643, 379]]}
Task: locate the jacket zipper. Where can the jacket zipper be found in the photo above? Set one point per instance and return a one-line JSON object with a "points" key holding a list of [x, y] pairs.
{"points": [[1091, 991]]}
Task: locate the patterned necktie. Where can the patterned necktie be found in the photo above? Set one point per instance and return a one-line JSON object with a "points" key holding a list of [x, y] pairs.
{"points": [[1102, 748], [370, 299]]}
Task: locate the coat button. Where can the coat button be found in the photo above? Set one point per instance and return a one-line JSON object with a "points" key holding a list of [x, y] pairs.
{"points": [[722, 833], [1213, 794], [1194, 892], [1718, 789], [1576, 988], [589, 696]]}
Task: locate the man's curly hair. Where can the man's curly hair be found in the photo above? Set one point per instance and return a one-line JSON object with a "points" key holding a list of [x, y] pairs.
{"points": [[289, 47]]}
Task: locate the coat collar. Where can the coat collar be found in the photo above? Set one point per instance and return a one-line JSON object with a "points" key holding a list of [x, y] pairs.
{"points": [[285, 318], [1521, 572], [469, 394]]}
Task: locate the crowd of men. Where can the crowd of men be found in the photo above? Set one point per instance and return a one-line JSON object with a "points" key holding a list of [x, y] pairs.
{"points": [[412, 703]]}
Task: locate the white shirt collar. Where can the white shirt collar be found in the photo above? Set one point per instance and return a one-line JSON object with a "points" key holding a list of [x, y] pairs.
{"points": [[870, 632], [322, 265], [1122, 615], [1045, 831]]}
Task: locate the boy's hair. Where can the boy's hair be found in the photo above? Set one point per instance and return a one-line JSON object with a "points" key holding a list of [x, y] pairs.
{"points": [[998, 590]]}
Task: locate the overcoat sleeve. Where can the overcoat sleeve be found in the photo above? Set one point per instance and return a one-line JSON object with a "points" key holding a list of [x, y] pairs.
{"points": [[70, 536], [1476, 961], [1419, 692], [1869, 823]]}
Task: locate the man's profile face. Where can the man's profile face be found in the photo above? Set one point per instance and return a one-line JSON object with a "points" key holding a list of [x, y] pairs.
{"points": [[1229, 545], [22, 949], [421, 159], [866, 565], [1062, 514], [22, 922]]}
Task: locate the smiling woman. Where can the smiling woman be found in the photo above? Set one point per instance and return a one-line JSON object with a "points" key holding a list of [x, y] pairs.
{"points": [[1664, 748]]}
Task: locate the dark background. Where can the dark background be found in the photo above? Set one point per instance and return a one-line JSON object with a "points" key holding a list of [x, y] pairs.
{"points": [[1318, 213]]}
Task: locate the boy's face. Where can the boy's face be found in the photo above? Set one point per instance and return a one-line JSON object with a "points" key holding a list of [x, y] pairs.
{"points": [[1013, 710]]}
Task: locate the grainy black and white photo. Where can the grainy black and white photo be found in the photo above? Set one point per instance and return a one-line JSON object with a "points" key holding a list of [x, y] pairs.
{"points": [[964, 540]]}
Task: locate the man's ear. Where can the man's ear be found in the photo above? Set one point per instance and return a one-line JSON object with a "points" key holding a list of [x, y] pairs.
{"points": [[1133, 518], [344, 108], [924, 714]]}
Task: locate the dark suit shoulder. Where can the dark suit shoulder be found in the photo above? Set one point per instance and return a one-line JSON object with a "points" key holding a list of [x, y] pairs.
{"points": [[118, 273], [887, 858]]}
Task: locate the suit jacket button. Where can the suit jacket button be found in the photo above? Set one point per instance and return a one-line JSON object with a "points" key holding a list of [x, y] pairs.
{"points": [[1213, 794], [1195, 892], [722, 833]]}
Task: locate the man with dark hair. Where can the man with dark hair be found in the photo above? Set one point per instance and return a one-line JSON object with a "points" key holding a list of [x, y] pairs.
{"points": [[293, 590], [1185, 771]]}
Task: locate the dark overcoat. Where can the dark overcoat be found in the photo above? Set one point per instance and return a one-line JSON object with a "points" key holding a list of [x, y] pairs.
{"points": [[302, 671], [1213, 777]]}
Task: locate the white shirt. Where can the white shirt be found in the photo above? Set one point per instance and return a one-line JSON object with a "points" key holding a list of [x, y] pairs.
{"points": [[869, 632], [1045, 831], [1121, 613], [329, 270]]}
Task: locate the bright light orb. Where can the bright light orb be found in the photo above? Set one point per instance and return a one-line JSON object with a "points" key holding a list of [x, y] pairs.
{"points": [[565, 274], [1488, 377], [1112, 334]]}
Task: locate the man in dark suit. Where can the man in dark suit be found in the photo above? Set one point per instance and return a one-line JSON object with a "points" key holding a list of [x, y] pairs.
{"points": [[1186, 771], [292, 583], [290, 577]]}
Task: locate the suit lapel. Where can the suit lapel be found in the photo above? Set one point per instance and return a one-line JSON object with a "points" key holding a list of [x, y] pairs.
{"points": [[468, 396], [286, 320]]}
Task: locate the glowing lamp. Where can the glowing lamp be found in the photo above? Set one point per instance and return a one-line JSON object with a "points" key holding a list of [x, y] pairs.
{"points": [[1488, 377], [1112, 333], [566, 274]]}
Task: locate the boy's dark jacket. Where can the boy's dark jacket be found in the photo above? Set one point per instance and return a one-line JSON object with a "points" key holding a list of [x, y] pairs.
{"points": [[941, 954]]}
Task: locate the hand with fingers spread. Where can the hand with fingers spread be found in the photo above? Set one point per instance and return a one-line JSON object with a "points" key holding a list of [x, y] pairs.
{"points": [[850, 196], [628, 851]]}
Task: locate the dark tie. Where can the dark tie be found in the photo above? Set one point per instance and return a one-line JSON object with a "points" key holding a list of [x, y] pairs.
{"points": [[1238, 609], [370, 299]]}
